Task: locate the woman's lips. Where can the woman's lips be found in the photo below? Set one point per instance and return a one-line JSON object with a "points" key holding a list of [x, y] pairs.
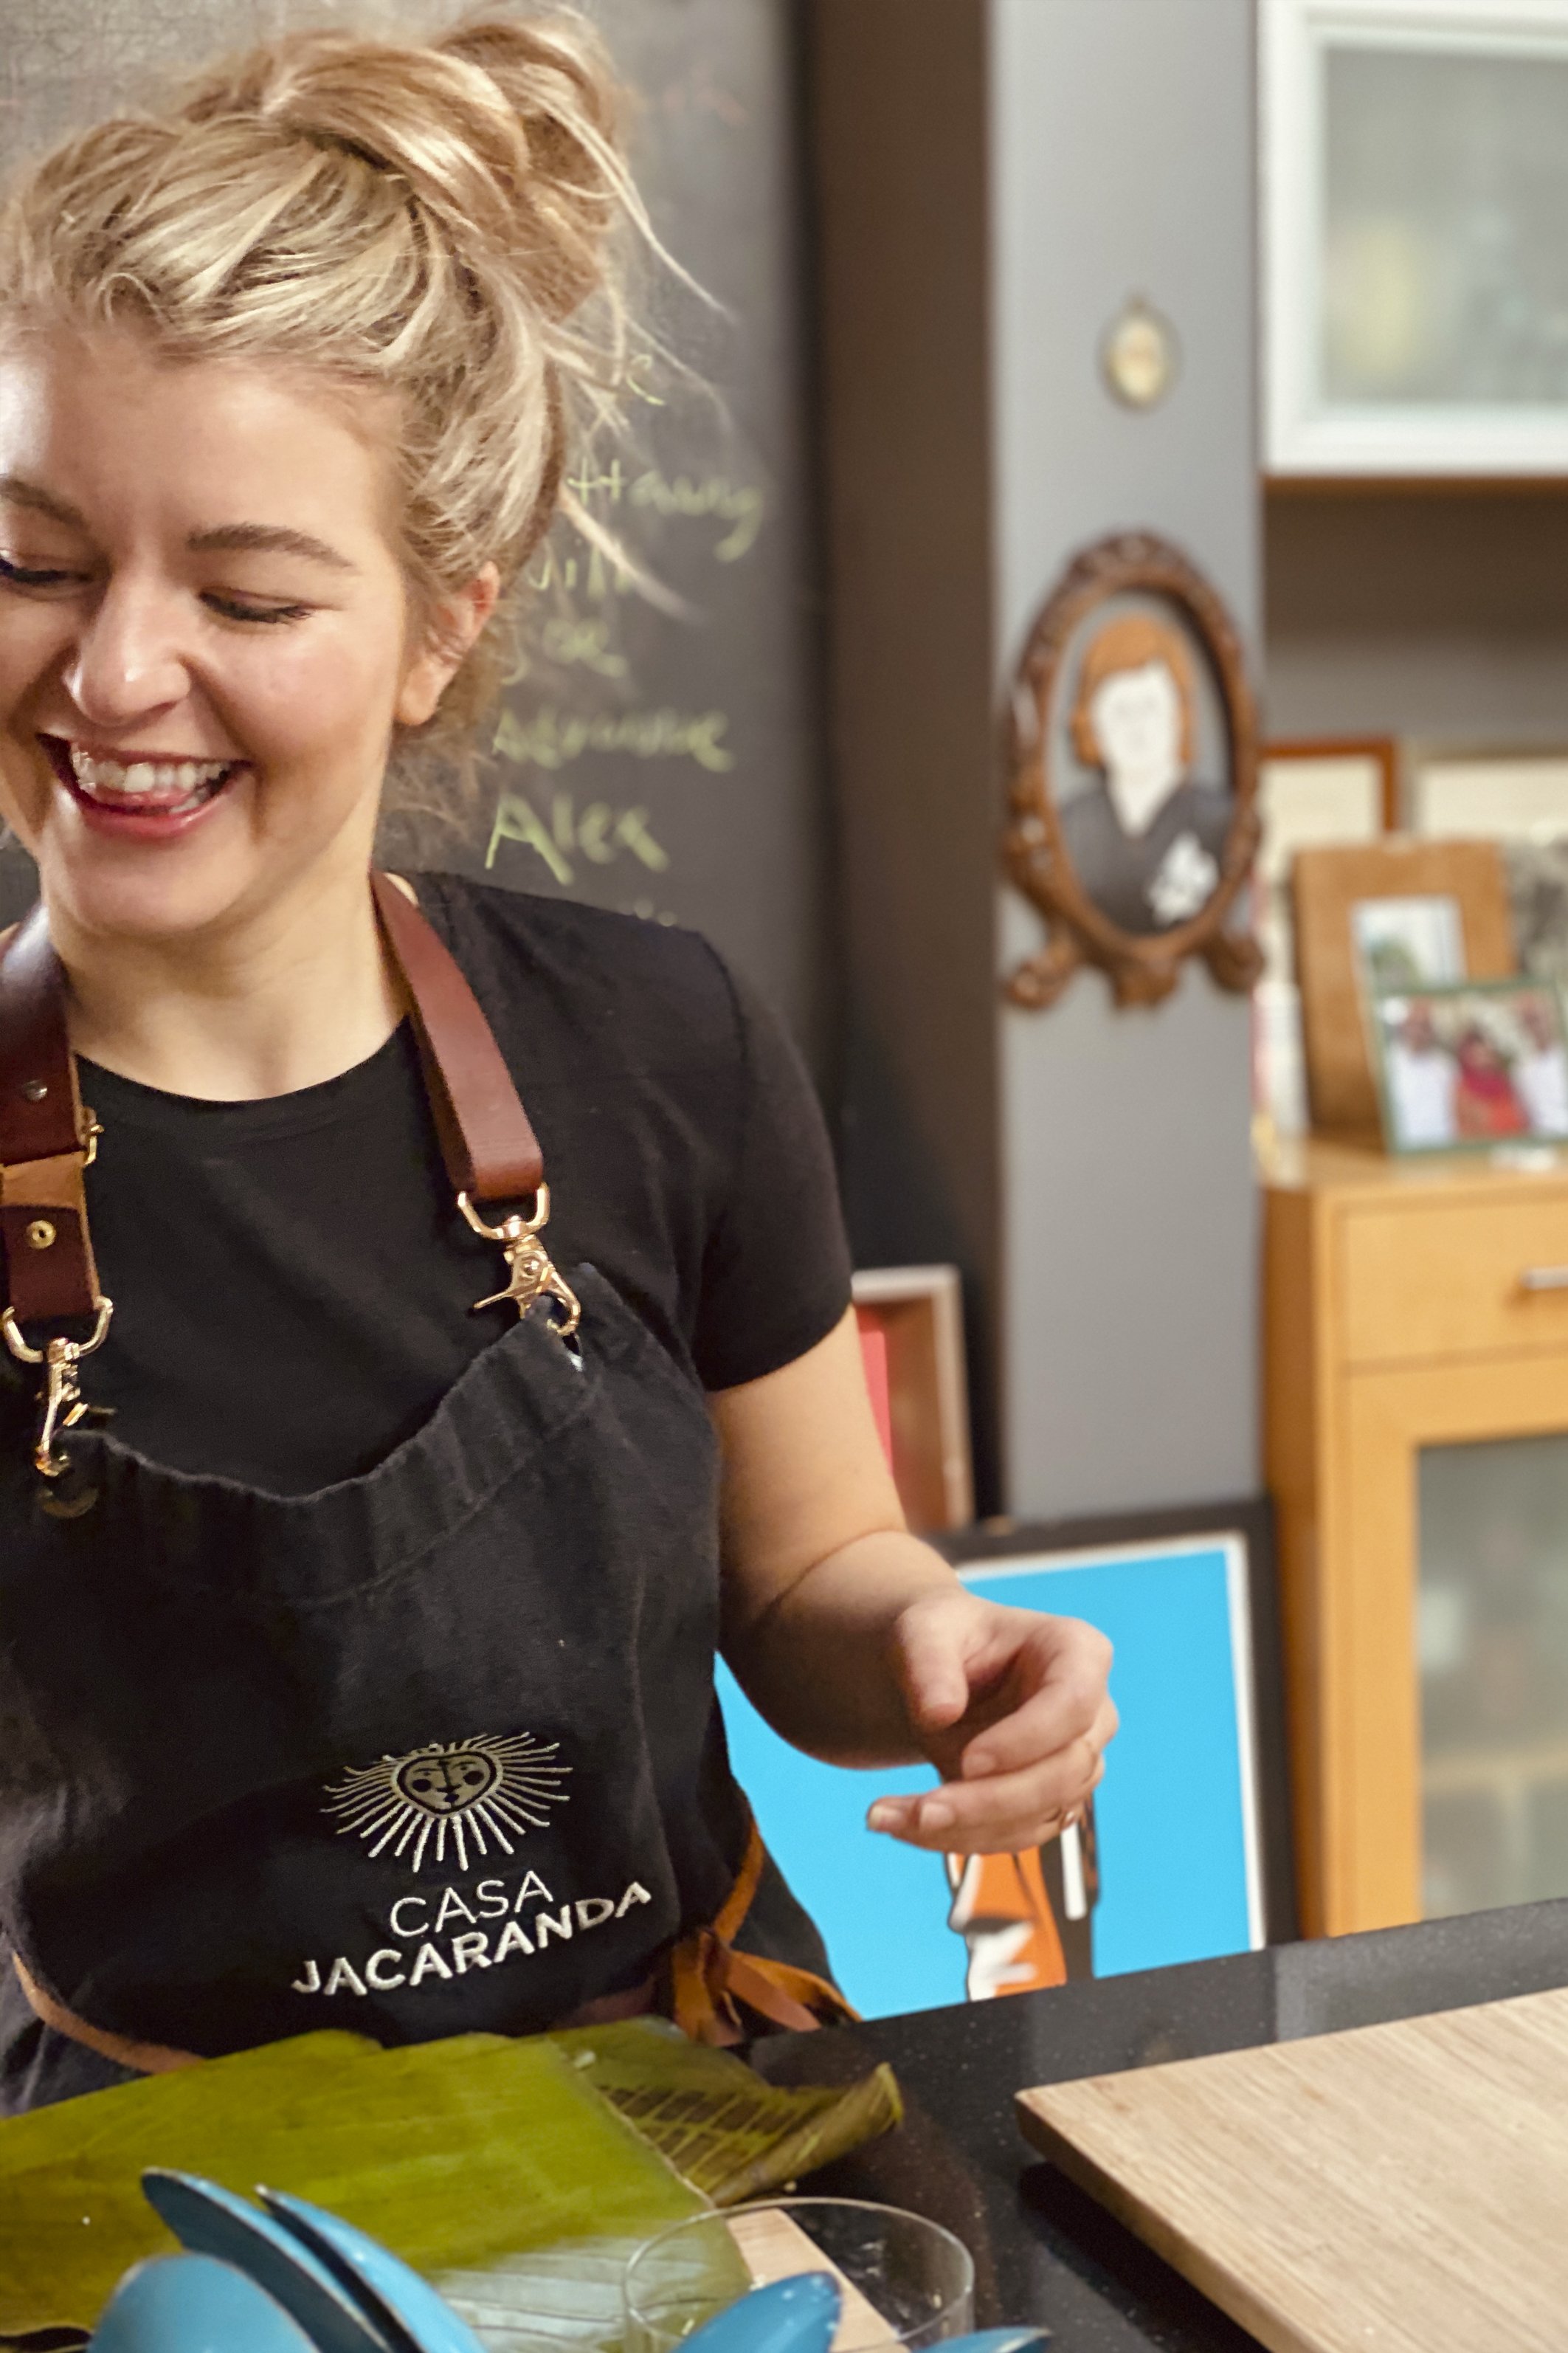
{"points": [[148, 798]]}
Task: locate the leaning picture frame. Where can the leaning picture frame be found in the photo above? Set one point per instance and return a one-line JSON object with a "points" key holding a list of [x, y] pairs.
{"points": [[1472, 1067], [1327, 885], [1187, 1852], [1313, 792]]}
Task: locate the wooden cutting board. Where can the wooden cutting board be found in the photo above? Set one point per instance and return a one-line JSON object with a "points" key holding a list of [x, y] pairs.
{"points": [[1399, 2189]]}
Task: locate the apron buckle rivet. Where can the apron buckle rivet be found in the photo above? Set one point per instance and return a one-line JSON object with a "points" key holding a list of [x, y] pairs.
{"points": [[35, 1089], [41, 1235]]}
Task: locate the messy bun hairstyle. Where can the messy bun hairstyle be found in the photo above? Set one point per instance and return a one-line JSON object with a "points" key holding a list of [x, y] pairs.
{"points": [[441, 224]]}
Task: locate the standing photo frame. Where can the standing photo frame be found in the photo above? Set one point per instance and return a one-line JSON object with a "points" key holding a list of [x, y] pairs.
{"points": [[1338, 971], [1132, 759]]}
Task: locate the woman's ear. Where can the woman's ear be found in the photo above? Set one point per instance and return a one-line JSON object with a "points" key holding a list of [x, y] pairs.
{"points": [[449, 636]]}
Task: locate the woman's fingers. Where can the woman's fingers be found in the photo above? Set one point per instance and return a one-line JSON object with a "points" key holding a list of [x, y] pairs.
{"points": [[999, 1816], [1001, 1813], [1060, 1672], [932, 1655]]}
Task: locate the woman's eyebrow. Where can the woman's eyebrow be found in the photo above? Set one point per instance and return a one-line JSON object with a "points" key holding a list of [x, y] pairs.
{"points": [[266, 539], [17, 492]]}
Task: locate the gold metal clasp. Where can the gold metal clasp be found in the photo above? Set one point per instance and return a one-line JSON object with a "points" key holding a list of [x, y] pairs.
{"points": [[60, 1402], [531, 1271]]}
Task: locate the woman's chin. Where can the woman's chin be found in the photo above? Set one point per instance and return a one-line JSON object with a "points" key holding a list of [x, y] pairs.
{"points": [[134, 891]]}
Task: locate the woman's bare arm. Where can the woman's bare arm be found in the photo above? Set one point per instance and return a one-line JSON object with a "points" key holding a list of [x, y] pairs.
{"points": [[859, 1644]]}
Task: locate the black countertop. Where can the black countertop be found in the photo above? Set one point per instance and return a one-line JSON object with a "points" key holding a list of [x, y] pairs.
{"points": [[1044, 2251]]}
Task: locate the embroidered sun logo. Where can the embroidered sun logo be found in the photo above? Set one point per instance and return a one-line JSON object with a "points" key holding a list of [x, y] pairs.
{"points": [[455, 1795]]}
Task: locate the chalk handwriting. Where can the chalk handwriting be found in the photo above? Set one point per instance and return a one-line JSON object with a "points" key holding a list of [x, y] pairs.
{"points": [[740, 504], [598, 833], [564, 640], [552, 739], [597, 576]]}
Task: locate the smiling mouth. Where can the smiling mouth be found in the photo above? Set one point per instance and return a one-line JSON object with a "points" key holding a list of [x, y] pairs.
{"points": [[139, 787]]}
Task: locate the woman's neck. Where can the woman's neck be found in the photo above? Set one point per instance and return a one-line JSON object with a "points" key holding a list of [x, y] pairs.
{"points": [[294, 996]]}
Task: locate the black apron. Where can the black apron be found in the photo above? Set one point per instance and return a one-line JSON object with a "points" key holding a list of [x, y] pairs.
{"points": [[433, 1751]]}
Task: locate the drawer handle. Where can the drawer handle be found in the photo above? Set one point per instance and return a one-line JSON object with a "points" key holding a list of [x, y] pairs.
{"points": [[1544, 1278]]}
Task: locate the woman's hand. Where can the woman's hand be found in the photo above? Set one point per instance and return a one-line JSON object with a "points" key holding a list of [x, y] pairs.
{"points": [[1011, 1708]]}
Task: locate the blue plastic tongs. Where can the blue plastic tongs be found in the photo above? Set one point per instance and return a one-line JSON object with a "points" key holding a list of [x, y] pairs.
{"points": [[286, 2277]]}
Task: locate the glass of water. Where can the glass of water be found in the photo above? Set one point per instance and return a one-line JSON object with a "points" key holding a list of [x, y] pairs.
{"points": [[905, 2280]]}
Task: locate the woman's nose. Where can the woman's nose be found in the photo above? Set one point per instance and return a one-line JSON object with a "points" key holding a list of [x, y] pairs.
{"points": [[127, 662]]}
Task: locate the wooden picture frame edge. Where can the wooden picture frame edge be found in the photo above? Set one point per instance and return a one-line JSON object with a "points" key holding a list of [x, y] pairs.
{"points": [[940, 1290], [1383, 749]]}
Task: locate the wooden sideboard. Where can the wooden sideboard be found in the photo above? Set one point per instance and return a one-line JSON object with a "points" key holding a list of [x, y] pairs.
{"points": [[1407, 1303]]}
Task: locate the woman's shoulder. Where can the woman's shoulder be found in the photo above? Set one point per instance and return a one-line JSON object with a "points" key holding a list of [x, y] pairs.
{"points": [[642, 991]]}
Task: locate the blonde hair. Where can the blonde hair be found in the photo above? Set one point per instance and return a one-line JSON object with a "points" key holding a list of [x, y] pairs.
{"points": [[441, 222], [1131, 641]]}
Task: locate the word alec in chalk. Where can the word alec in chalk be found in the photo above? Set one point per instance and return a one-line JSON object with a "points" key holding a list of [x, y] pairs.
{"points": [[598, 833], [549, 738], [738, 504]]}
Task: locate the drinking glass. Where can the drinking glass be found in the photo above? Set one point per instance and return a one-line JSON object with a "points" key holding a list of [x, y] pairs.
{"points": [[905, 2280]]}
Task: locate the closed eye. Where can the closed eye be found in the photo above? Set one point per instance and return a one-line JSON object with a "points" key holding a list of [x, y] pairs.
{"points": [[235, 608], [27, 576]]}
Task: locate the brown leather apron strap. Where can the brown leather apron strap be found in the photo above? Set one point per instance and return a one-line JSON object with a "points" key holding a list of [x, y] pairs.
{"points": [[52, 1312], [486, 1141], [710, 1987], [46, 1140]]}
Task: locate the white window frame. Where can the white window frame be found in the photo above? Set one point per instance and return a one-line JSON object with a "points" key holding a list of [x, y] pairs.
{"points": [[1303, 434]]}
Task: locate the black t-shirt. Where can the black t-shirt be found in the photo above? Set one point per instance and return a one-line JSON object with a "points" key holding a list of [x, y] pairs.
{"points": [[293, 1284]]}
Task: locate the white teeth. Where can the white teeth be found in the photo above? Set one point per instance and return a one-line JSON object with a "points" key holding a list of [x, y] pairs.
{"points": [[129, 780]]}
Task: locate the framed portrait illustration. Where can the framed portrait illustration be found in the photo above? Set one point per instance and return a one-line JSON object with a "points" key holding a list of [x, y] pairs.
{"points": [[1416, 275], [1180, 1856], [1133, 758]]}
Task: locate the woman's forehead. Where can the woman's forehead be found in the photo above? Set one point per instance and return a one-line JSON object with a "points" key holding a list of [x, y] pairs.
{"points": [[104, 422]]}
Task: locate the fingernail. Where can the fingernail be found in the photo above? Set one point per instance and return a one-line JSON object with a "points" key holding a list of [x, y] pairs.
{"points": [[885, 1815], [935, 1815], [978, 1763]]}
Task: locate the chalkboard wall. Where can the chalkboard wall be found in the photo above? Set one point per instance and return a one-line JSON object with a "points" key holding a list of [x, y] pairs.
{"points": [[664, 761]]}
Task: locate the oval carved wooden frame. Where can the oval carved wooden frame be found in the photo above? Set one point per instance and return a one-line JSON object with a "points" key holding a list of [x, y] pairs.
{"points": [[1142, 967]]}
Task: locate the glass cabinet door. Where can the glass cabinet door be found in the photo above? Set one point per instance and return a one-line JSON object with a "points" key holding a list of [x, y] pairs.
{"points": [[1492, 1644]]}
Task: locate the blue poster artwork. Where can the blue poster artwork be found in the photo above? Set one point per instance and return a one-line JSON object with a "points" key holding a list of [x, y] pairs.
{"points": [[1167, 1869]]}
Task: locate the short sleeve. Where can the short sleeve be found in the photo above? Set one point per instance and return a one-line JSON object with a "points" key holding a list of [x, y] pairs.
{"points": [[775, 1271]]}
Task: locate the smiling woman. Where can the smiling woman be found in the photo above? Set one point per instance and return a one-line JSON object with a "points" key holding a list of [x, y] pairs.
{"points": [[369, 1598]]}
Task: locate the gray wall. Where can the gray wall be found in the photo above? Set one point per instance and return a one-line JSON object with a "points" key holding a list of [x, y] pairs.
{"points": [[1441, 614], [996, 177], [1122, 165]]}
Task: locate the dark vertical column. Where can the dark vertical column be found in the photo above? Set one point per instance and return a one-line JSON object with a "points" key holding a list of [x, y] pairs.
{"points": [[899, 99]]}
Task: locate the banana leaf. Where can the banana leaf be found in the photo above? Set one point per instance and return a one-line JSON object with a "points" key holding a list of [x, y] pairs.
{"points": [[454, 2154], [517, 2175], [724, 2129]]}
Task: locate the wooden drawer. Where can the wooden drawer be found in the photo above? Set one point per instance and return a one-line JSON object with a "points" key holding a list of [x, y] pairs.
{"points": [[1454, 1278]]}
